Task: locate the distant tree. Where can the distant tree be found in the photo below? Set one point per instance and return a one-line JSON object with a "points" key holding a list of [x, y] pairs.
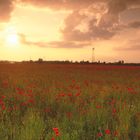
{"points": [[121, 62], [31, 61], [40, 60]]}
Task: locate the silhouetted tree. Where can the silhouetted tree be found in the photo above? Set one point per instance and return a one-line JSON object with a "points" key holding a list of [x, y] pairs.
{"points": [[40, 60]]}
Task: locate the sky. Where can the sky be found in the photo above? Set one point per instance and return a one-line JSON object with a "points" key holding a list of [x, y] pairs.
{"points": [[69, 29]]}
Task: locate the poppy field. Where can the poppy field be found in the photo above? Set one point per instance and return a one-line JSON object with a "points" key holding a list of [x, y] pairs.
{"points": [[69, 102]]}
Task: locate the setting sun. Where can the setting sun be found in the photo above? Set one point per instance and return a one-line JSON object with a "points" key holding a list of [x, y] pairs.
{"points": [[12, 39]]}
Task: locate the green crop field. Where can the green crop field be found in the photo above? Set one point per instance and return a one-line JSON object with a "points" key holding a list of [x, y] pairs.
{"points": [[69, 102]]}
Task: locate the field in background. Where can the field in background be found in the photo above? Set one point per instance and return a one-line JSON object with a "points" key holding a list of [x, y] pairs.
{"points": [[69, 102]]}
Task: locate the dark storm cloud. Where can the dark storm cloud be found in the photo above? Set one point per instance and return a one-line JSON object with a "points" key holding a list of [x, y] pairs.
{"points": [[6, 7]]}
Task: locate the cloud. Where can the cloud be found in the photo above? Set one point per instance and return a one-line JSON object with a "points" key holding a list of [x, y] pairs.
{"points": [[132, 44], [103, 27], [68, 44], [24, 41], [135, 24], [101, 30], [53, 44], [6, 7], [101, 18], [115, 7], [61, 4], [129, 48]]}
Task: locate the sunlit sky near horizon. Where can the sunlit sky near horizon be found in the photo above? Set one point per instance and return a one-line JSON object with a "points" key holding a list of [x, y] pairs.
{"points": [[69, 29]]}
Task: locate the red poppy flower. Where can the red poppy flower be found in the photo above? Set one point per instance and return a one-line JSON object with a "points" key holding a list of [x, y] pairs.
{"points": [[52, 138], [99, 134], [107, 131], [55, 129]]}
